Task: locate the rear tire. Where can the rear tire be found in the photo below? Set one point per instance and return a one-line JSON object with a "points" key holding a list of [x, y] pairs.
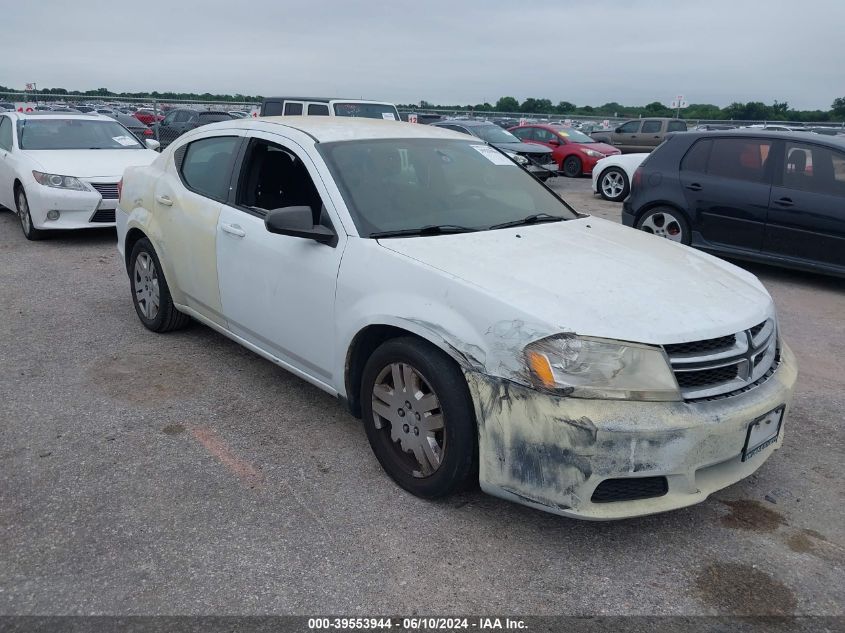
{"points": [[150, 292], [613, 184], [572, 167], [419, 417], [25, 217], [666, 222]]}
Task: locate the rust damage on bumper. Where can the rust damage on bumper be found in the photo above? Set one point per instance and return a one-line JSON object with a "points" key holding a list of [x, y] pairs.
{"points": [[552, 451]]}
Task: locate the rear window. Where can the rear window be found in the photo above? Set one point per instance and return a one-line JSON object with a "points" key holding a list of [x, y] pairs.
{"points": [[676, 126], [367, 110]]}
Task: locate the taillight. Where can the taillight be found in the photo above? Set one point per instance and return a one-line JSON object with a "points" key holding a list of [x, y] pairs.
{"points": [[119, 189], [637, 180], [148, 132]]}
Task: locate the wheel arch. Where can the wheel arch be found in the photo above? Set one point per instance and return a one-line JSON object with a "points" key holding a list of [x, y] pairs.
{"points": [[133, 236], [662, 203], [369, 338]]}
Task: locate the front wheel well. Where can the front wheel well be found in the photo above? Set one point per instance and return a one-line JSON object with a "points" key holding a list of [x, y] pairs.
{"points": [[360, 350], [132, 238]]}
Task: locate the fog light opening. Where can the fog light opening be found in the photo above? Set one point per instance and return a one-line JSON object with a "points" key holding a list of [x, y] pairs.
{"points": [[53, 214]]}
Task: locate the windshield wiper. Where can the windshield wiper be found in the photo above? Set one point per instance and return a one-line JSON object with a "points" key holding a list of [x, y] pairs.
{"points": [[431, 229], [537, 218]]}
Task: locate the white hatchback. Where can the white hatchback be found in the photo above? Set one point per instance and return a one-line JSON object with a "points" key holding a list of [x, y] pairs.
{"points": [[481, 328], [61, 171]]}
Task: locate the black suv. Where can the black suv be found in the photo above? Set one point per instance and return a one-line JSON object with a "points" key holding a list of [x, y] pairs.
{"points": [[181, 120], [775, 197]]}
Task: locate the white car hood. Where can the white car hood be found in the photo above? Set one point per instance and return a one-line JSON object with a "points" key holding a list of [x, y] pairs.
{"points": [[90, 163], [597, 278]]}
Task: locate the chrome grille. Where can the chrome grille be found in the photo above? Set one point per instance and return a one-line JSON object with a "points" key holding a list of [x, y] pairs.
{"points": [[108, 190], [724, 365]]}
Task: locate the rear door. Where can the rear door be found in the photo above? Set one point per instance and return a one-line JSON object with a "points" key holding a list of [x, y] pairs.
{"points": [[627, 138], [727, 182], [651, 134], [807, 211]]}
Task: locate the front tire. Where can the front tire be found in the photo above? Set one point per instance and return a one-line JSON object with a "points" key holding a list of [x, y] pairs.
{"points": [[29, 230], [613, 184], [666, 222], [572, 167], [419, 417], [150, 292]]}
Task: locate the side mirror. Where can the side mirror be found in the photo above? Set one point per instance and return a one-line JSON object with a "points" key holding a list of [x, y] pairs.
{"points": [[151, 143], [618, 130], [298, 222], [554, 141]]}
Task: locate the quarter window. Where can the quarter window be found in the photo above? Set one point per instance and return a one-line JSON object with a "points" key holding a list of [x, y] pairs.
{"points": [[651, 127], [207, 166], [6, 133], [739, 158], [630, 127]]}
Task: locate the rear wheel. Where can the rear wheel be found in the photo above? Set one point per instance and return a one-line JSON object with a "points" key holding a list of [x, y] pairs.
{"points": [[29, 231], [419, 417], [613, 184], [572, 167], [150, 293], [666, 222]]}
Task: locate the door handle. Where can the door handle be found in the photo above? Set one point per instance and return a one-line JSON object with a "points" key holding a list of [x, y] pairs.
{"points": [[694, 186], [784, 202], [233, 229], [165, 200]]}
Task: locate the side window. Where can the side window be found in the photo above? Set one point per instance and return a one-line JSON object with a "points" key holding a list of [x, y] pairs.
{"points": [[318, 109], [814, 169], [543, 135], [739, 158], [206, 166], [273, 108], [293, 109], [273, 177], [652, 127], [170, 118], [630, 127], [676, 126], [182, 116], [6, 133], [696, 158], [524, 132], [456, 128]]}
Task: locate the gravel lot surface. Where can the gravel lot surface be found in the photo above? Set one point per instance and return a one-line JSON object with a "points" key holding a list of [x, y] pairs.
{"points": [[182, 474]]}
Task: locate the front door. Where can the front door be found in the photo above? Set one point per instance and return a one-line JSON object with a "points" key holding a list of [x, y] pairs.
{"points": [[807, 211], [627, 139], [188, 199], [278, 291], [727, 182]]}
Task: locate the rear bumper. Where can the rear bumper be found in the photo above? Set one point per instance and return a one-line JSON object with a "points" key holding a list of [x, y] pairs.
{"points": [[553, 452], [628, 216]]}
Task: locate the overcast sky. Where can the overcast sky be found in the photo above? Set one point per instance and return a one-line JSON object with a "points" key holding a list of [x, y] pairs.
{"points": [[588, 52]]}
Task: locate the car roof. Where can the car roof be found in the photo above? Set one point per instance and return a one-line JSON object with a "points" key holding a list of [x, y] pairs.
{"points": [[325, 99], [818, 139], [465, 122], [327, 129], [85, 116]]}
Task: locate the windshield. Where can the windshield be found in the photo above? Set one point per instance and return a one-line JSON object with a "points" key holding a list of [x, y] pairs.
{"points": [[573, 136], [367, 110], [402, 184], [74, 134], [494, 134]]}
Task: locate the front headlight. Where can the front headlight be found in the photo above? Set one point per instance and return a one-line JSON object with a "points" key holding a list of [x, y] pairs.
{"points": [[518, 159], [600, 368], [59, 182], [593, 153]]}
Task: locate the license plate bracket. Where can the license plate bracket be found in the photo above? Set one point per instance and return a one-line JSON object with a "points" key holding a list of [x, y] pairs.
{"points": [[763, 432]]}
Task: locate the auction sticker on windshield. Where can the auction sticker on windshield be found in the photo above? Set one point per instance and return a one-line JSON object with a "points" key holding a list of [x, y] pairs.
{"points": [[492, 155], [388, 116], [126, 141]]}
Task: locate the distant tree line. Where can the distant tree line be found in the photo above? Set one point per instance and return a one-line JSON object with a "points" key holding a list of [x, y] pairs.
{"points": [[751, 111]]}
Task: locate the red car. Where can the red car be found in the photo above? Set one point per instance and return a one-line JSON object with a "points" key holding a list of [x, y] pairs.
{"points": [[147, 117], [574, 152]]}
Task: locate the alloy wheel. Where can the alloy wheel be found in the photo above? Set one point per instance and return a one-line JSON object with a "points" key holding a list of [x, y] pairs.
{"points": [[406, 407], [23, 213], [665, 225], [145, 282], [612, 184]]}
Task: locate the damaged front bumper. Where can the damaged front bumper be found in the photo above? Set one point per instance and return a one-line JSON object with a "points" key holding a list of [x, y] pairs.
{"points": [[552, 452]]}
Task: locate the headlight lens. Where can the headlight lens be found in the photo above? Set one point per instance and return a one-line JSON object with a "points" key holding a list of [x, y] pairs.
{"points": [[59, 182], [518, 159], [601, 368], [593, 153]]}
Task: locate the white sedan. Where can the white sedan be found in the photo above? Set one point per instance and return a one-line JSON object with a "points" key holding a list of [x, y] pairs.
{"points": [[612, 176], [61, 171], [481, 328]]}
